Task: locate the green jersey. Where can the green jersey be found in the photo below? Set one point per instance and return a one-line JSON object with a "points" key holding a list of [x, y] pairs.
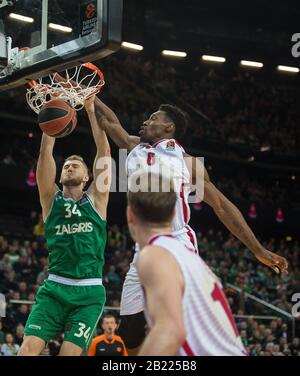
{"points": [[76, 238]]}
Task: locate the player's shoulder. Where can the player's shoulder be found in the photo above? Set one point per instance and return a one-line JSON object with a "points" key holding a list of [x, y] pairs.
{"points": [[164, 241], [151, 256], [147, 253]]}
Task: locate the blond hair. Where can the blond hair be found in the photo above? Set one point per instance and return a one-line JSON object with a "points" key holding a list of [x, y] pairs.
{"points": [[76, 157]]}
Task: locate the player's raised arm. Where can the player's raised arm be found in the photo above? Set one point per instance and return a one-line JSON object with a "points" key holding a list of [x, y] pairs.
{"points": [[163, 283], [46, 173], [99, 189], [110, 123], [233, 219]]}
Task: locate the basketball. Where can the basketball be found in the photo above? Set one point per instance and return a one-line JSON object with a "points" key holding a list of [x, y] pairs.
{"points": [[57, 118]]}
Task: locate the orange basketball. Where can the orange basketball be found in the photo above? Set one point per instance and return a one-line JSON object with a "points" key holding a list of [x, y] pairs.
{"points": [[57, 118]]}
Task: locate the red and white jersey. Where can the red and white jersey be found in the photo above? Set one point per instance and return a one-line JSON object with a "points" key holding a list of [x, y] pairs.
{"points": [[209, 324], [165, 157]]}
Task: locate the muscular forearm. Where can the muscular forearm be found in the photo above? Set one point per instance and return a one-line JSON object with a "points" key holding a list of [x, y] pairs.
{"points": [[106, 111], [233, 219], [98, 135], [47, 144]]}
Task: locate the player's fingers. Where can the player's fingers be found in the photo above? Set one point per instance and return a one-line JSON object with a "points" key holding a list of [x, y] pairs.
{"points": [[283, 265]]}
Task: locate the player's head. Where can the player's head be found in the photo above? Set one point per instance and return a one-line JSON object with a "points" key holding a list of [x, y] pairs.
{"points": [[74, 172], [168, 122], [109, 324], [151, 203]]}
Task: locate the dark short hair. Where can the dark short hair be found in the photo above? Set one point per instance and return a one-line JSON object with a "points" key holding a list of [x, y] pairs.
{"points": [[177, 116], [153, 207]]}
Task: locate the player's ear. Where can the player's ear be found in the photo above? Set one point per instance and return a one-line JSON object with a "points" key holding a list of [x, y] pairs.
{"points": [[170, 127], [131, 220], [129, 214]]}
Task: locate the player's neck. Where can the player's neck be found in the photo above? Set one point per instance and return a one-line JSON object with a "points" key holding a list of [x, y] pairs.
{"points": [[145, 234], [158, 139], [73, 192]]}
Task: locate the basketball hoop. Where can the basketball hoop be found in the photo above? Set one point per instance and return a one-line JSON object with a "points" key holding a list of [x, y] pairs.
{"points": [[73, 85]]}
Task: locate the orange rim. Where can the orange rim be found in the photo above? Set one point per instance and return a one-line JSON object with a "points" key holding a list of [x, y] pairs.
{"points": [[94, 68], [32, 83], [91, 66]]}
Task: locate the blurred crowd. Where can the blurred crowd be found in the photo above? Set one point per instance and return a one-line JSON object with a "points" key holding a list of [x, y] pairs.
{"points": [[24, 264], [229, 108], [239, 107]]}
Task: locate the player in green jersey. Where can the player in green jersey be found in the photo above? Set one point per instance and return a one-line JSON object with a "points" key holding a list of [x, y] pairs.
{"points": [[71, 300]]}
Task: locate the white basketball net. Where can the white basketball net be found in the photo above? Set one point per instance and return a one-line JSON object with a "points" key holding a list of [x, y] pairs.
{"points": [[67, 87]]}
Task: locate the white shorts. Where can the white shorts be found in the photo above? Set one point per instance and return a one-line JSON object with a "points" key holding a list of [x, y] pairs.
{"points": [[132, 300]]}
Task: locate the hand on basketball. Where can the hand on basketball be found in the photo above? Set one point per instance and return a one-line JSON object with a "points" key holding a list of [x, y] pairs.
{"points": [[273, 261], [89, 104]]}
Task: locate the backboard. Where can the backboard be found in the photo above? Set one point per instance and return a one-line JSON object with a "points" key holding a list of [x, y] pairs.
{"points": [[42, 36]]}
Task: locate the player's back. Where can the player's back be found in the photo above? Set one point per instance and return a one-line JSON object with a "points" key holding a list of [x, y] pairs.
{"points": [[209, 324]]}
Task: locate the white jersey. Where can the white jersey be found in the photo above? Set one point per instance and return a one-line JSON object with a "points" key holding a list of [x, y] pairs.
{"points": [[209, 324], [166, 157]]}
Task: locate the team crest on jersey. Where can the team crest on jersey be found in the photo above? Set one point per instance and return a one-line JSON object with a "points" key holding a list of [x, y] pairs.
{"points": [[170, 145]]}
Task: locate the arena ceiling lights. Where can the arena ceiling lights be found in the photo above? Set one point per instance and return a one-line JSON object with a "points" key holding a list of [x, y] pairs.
{"points": [[254, 64], [215, 59], [174, 53], [19, 17], [132, 46], [64, 29], [285, 68]]}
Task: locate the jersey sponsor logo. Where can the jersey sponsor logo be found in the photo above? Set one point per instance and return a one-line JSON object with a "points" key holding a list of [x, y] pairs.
{"points": [[37, 327], [170, 146], [74, 228]]}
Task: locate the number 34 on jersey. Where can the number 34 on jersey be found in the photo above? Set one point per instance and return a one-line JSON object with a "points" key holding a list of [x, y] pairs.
{"points": [[70, 211]]}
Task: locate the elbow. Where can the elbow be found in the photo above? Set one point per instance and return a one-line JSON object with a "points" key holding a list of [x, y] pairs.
{"points": [[177, 335], [181, 336]]}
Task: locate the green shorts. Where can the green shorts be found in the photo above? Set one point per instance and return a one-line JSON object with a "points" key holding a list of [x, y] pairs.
{"points": [[72, 310]]}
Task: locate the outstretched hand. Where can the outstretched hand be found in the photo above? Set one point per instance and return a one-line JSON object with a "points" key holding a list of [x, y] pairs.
{"points": [[273, 261], [89, 104]]}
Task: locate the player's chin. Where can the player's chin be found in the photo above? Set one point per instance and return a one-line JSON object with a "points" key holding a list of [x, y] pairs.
{"points": [[71, 182]]}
